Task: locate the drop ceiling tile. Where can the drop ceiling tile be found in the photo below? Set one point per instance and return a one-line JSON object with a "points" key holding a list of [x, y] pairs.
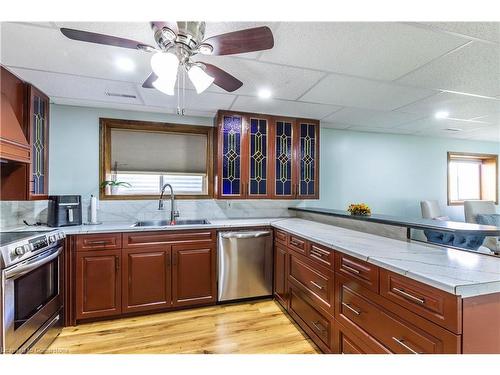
{"points": [[284, 82], [381, 130], [70, 86], [493, 119], [334, 125], [369, 118], [358, 92], [473, 69], [283, 107], [491, 134], [489, 31], [108, 105], [459, 106], [204, 102], [381, 50], [47, 49]]}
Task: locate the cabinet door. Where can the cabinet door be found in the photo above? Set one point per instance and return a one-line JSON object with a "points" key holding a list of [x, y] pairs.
{"points": [[280, 275], [307, 154], [284, 168], [193, 274], [230, 156], [39, 141], [146, 279], [258, 184], [98, 284]]}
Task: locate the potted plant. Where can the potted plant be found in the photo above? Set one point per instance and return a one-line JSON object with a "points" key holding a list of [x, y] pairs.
{"points": [[112, 186], [359, 209]]}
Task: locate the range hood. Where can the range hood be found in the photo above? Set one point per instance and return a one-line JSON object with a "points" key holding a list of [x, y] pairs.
{"points": [[13, 142]]}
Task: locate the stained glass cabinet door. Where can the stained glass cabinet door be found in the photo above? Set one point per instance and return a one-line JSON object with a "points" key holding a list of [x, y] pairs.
{"points": [[259, 137], [307, 158], [231, 160], [39, 140], [284, 177]]}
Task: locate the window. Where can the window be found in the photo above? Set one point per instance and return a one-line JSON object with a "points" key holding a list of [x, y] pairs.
{"points": [[143, 156], [472, 177]]}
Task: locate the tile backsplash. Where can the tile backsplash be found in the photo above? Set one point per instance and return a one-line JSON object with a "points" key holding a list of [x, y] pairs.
{"points": [[12, 213]]}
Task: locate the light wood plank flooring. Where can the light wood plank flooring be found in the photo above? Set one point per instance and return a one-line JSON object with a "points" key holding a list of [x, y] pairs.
{"points": [[254, 327]]}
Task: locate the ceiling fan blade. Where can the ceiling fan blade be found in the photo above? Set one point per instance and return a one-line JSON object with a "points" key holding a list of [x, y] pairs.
{"points": [[86, 36], [222, 78], [249, 40], [148, 83], [172, 25]]}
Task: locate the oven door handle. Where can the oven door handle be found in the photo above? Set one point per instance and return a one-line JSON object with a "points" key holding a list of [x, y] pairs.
{"points": [[23, 269]]}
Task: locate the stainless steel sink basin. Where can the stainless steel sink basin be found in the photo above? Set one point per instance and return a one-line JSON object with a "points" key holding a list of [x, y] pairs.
{"points": [[164, 223]]}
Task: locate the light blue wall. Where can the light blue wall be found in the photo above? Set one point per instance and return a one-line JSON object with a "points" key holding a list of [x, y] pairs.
{"points": [[74, 144], [391, 173]]}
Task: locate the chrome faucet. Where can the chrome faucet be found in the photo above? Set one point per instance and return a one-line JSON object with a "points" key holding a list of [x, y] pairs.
{"points": [[173, 212]]}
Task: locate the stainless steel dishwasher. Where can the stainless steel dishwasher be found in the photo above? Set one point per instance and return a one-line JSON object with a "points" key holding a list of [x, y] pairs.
{"points": [[245, 262]]}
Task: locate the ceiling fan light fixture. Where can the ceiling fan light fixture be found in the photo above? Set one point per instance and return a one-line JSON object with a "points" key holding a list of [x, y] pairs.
{"points": [[165, 86], [164, 64], [200, 79], [205, 49]]}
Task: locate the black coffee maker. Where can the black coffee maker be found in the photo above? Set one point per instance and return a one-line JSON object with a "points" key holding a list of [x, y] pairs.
{"points": [[64, 210]]}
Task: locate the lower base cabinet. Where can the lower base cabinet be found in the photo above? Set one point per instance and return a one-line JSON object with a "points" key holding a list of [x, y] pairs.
{"points": [[280, 274], [194, 274], [151, 272], [146, 279], [98, 284]]}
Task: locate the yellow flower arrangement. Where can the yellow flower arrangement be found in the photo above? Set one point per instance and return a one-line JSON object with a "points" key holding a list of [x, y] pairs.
{"points": [[359, 209]]}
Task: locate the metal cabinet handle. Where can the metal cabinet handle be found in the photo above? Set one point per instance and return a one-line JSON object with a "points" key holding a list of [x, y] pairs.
{"points": [[409, 296], [98, 242], [318, 326], [317, 254], [317, 285], [351, 269], [351, 308], [295, 243], [402, 343]]}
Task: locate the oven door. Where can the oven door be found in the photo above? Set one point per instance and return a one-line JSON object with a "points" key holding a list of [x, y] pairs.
{"points": [[32, 295]]}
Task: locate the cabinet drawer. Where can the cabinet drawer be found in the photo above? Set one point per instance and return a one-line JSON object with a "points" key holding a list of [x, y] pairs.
{"points": [[297, 244], [364, 273], [431, 303], [106, 241], [167, 237], [316, 325], [319, 283], [397, 335], [281, 236], [320, 254], [355, 341]]}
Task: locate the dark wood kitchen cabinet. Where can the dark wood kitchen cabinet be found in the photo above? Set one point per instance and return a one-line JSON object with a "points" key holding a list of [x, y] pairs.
{"points": [[266, 157], [98, 283], [146, 279], [193, 274], [280, 274]]}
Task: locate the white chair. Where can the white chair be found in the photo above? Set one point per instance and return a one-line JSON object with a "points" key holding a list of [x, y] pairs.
{"points": [[474, 208], [431, 210]]}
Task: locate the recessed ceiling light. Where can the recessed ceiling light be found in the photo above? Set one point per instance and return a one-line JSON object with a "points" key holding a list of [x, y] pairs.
{"points": [[441, 114], [125, 64], [264, 93]]}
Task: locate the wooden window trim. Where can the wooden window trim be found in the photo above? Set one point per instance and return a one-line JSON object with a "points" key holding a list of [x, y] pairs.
{"points": [[107, 124], [470, 156]]}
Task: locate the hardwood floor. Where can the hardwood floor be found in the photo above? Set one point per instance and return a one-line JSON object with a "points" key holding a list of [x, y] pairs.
{"points": [[252, 327]]}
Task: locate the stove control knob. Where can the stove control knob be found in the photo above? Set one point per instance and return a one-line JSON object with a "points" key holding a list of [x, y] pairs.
{"points": [[26, 248], [52, 239], [19, 250]]}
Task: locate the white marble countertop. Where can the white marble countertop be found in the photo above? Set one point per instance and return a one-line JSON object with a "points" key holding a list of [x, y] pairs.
{"points": [[458, 272], [128, 226]]}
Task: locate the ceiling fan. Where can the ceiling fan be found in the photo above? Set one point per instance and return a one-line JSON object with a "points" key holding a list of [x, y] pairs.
{"points": [[177, 43]]}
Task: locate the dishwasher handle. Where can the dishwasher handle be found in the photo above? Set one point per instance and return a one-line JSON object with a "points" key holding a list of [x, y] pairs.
{"points": [[245, 234]]}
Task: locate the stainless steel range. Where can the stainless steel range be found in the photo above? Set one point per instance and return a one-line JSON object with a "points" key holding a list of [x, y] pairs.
{"points": [[31, 290]]}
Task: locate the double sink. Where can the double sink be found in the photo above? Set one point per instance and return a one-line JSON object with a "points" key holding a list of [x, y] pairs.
{"points": [[164, 223]]}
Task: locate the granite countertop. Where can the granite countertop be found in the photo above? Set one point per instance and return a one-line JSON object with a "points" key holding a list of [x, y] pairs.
{"points": [[454, 271], [416, 223]]}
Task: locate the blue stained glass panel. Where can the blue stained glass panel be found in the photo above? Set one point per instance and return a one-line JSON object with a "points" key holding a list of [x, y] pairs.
{"points": [[283, 165], [231, 155], [308, 156], [258, 156], [38, 145]]}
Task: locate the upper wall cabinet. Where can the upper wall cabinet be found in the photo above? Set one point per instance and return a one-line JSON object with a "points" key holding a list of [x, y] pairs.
{"points": [[266, 157], [24, 139]]}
